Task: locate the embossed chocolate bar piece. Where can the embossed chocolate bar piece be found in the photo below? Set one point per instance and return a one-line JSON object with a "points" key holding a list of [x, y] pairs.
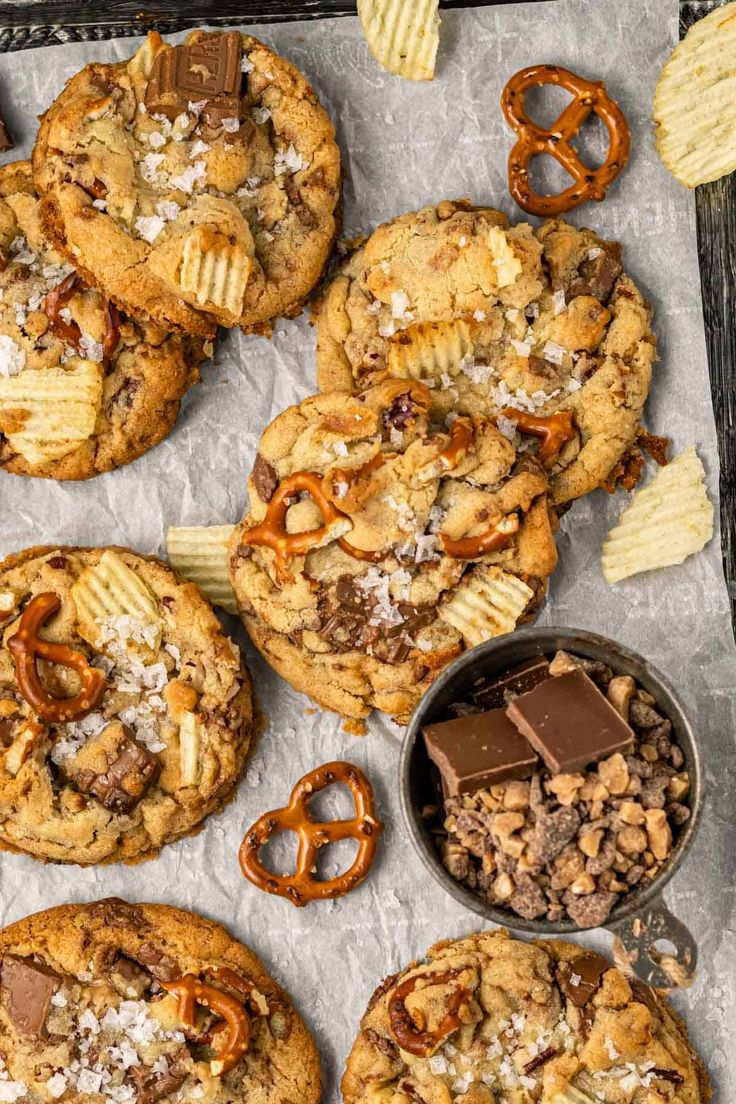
{"points": [[206, 70], [569, 722], [491, 693], [478, 750]]}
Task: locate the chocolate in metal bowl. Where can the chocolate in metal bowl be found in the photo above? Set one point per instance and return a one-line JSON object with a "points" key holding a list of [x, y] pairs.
{"points": [[642, 919]]}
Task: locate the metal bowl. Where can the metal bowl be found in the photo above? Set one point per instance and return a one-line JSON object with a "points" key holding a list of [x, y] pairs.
{"points": [[642, 918]]}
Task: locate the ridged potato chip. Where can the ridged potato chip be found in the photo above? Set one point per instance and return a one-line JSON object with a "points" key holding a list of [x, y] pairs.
{"points": [[111, 590], [668, 520], [47, 413], [695, 101], [200, 555], [189, 744], [141, 63], [402, 35], [429, 348], [489, 603], [214, 270]]}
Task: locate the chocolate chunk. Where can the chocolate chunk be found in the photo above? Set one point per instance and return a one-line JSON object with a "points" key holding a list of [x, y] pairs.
{"points": [[597, 275], [478, 750], [491, 694], [162, 966], [117, 913], [569, 722], [6, 142], [351, 618], [670, 1075], [153, 1084], [265, 478], [539, 1060], [644, 995], [206, 70], [26, 989], [580, 979], [126, 779]]}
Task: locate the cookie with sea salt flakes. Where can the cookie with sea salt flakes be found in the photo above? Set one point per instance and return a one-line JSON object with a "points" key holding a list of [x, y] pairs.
{"points": [[497, 319], [134, 1003], [489, 1018], [380, 544], [194, 184], [83, 389], [125, 712]]}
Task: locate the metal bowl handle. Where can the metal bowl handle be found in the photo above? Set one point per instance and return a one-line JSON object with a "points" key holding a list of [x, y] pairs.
{"points": [[642, 931]]}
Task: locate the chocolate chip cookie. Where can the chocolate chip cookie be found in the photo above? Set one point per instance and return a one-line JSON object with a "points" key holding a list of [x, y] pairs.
{"points": [[193, 184], [144, 1003], [381, 543], [497, 319], [489, 1018], [83, 389], [125, 712]]}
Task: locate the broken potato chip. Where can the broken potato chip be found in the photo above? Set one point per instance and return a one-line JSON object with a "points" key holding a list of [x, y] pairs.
{"points": [[200, 554], [47, 413], [402, 35], [190, 739], [668, 520], [694, 104], [429, 349], [111, 590], [488, 604], [214, 270]]}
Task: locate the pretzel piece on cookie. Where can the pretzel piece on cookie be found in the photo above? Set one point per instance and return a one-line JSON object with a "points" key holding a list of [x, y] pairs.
{"points": [[189, 992], [408, 1035]]}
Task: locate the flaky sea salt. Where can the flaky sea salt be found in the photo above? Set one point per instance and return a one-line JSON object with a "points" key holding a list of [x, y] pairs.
{"points": [[261, 115], [12, 357], [57, 1085], [150, 166], [288, 160], [198, 148], [559, 301], [231, 126], [479, 315], [156, 139], [553, 352], [593, 253], [246, 65], [522, 348], [190, 177], [149, 226], [399, 304], [167, 209]]}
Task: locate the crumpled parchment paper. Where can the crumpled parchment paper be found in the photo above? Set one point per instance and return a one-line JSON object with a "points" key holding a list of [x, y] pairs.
{"points": [[406, 145]]}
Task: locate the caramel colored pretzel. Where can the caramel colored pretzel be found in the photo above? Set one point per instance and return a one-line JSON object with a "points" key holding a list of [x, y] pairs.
{"points": [[302, 886], [25, 646], [461, 438], [69, 331], [189, 992], [271, 532], [588, 96], [348, 476], [469, 548], [555, 430], [414, 1039]]}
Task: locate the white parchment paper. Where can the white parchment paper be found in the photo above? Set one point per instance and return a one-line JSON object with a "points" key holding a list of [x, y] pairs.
{"points": [[404, 146]]}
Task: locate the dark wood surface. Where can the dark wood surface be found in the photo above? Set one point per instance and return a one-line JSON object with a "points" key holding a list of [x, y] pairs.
{"points": [[30, 23]]}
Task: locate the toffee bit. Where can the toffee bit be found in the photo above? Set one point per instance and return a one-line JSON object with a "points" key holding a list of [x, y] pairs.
{"points": [[654, 445]]}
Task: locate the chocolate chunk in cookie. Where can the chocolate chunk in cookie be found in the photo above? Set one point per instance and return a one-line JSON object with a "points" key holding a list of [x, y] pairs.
{"points": [[26, 989]]}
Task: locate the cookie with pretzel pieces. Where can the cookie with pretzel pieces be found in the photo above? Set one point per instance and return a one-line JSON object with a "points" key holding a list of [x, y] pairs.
{"points": [[83, 389], [125, 711], [497, 319], [381, 543], [193, 184], [137, 1003], [489, 1018]]}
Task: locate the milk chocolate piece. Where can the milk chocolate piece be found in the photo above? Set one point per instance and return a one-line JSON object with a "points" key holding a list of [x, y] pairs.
{"points": [[569, 722], [491, 693], [26, 989], [478, 750], [6, 142], [127, 778], [580, 979], [152, 1084], [207, 70]]}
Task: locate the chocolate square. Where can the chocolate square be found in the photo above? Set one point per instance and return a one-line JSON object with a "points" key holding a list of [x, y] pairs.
{"points": [[491, 693], [26, 989], [208, 70], [478, 750], [569, 722]]}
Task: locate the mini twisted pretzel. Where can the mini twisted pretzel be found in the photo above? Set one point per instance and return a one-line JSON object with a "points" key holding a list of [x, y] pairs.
{"points": [[271, 533], [189, 992], [412, 1038], [69, 331], [25, 646], [555, 430], [302, 886], [348, 476], [589, 96], [497, 537]]}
